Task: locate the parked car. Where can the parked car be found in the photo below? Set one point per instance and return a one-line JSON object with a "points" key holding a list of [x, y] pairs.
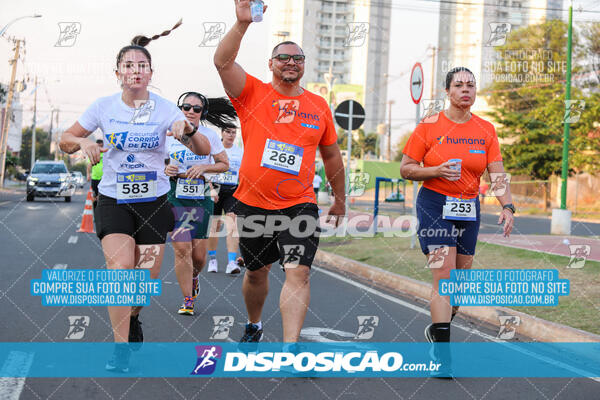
{"points": [[78, 178], [50, 179]]}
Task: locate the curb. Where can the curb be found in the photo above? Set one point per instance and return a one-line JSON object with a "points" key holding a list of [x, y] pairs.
{"points": [[532, 327]]}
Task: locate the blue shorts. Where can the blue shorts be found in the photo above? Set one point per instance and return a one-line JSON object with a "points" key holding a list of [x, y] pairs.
{"points": [[434, 231]]}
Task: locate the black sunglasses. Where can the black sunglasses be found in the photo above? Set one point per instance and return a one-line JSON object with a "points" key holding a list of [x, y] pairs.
{"points": [[298, 58], [188, 107]]}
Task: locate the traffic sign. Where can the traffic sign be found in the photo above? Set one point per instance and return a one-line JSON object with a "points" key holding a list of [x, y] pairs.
{"points": [[348, 113], [416, 83]]}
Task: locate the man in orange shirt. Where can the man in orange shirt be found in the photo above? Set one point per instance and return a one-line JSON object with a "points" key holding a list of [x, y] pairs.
{"points": [[282, 127]]}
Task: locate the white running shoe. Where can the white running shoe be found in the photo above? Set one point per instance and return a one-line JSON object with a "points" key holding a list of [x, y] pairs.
{"points": [[232, 268], [212, 265]]}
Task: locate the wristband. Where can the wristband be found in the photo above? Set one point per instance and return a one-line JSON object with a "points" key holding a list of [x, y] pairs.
{"points": [[192, 133]]}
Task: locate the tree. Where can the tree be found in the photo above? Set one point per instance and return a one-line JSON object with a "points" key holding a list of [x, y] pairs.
{"points": [[42, 147], [364, 144], [400, 145], [528, 103]]}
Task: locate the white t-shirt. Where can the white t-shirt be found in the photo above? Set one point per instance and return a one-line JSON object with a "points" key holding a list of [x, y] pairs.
{"points": [[184, 158], [317, 181], [135, 137], [235, 154]]}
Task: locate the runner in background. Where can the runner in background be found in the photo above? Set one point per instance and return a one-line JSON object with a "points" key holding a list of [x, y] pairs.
{"points": [[190, 194], [96, 174], [317, 180], [132, 219], [455, 147], [225, 202], [282, 127]]}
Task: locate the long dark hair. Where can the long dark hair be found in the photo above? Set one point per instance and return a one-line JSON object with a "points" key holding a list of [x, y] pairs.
{"points": [[217, 110], [139, 43]]}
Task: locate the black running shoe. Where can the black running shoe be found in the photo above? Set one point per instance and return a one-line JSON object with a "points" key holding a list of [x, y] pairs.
{"points": [[119, 362], [252, 334], [136, 335]]}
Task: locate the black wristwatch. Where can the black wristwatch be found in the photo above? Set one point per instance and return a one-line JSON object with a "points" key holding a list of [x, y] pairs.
{"points": [[192, 132], [510, 206]]}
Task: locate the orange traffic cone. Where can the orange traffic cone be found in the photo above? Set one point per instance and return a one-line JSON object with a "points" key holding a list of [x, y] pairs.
{"points": [[87, 220]]}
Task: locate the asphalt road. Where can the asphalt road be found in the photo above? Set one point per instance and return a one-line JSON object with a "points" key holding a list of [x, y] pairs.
{"points": [[42, 235]]}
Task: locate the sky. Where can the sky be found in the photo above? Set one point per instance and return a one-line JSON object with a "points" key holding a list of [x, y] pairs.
{"points": [[74, 76]]}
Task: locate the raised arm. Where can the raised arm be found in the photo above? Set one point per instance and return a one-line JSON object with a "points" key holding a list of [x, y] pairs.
{"points": [[232, 74]]}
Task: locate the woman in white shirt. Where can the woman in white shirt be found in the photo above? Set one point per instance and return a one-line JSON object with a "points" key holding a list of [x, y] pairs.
{"points": [[190, 194], [133, 215]]}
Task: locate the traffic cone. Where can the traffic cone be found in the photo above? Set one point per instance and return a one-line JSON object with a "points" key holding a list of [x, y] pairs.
{"points": [[87, 220]]}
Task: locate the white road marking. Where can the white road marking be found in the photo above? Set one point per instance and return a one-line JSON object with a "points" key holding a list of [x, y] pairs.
{"points": [[464, 328], [17, 363], [73, 239], [60, 266]]}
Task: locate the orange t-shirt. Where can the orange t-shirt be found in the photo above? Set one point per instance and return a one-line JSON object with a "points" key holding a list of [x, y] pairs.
{"points": [[474, 142], [279, 174]]}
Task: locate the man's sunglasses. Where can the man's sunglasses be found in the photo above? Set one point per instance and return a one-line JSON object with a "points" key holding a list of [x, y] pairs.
{"points": [[298, 58], [188, 107]]}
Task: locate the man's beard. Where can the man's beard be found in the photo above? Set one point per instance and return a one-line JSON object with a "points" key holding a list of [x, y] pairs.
{"points": [[291, 80]]}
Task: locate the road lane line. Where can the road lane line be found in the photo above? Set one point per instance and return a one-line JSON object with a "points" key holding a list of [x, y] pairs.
{"points": [[60, 266], [73, 239], [464, 328], [17, 363]]}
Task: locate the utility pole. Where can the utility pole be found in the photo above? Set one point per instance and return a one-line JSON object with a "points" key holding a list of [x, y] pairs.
{"points": [[34, 123], [8, 113], [389, 142], [431, 91]]}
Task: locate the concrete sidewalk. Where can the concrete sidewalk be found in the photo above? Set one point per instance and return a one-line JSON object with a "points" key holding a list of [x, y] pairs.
{"points": [[551, 244]]}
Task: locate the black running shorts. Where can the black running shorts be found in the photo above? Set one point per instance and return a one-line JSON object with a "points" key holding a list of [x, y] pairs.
{"points": [[290, 235], [147, 223]]}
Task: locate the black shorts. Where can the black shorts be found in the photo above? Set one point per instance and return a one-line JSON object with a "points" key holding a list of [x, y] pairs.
{"points": [[226, 200], [290, 236], [147, 223], [95, 183]]}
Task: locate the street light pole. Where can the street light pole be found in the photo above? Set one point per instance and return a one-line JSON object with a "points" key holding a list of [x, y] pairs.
{"points": [[561, 217], [15, 20]]}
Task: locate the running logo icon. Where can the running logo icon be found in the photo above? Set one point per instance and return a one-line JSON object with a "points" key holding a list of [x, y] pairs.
{"points": [[287, 110], [292, 254], [143, 110], [117, 139], [357, 34], [573, 110], [68, 34], [357, 183], [213, 31], [366, 326], [77, 325], [431, 110], [178, 156], [498, 33], [437, 254], [207, 359], [508, 326], [579, 254], [500, 182], [223, 324], [148, 254]]}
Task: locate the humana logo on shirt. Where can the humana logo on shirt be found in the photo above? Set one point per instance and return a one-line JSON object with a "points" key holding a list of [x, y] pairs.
{"points": [[452, 140], [288, 109]]}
